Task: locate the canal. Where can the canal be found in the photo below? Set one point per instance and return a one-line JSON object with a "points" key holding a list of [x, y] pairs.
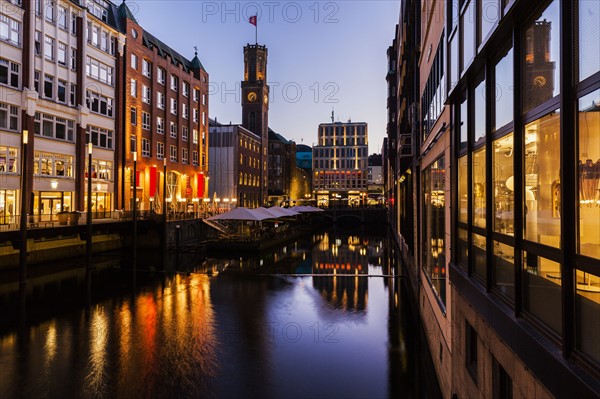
{"points": [[324, 316]]}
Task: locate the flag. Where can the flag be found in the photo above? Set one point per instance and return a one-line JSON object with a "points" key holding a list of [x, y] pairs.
{"points": [[252, 20]]}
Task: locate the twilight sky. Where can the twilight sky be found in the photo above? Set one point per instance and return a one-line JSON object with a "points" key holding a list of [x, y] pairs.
{"points": [[322, 55]]}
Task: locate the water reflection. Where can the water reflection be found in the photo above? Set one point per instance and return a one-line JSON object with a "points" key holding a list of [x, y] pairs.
{"points": [[248, 328]]}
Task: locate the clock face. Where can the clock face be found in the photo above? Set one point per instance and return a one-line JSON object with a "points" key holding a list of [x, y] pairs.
{"points": [[266, 99], [252, 96], [539, 81]]}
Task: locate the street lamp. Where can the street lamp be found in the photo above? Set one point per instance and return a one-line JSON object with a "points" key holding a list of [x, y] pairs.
{"points": [[88, 243], [134, 209], [23, 226]]}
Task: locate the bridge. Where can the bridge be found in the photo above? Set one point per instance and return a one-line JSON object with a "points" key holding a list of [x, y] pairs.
{"points": [[365, 215]]}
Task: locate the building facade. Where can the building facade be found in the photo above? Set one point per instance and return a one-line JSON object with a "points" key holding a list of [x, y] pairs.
{"points": [[496, 191], [165, 123], [340, 163], [235, 166]]}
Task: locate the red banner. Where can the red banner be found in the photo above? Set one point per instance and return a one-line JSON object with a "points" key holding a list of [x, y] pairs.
{"points": [[152, 192], [137, 178], [200, 185]]}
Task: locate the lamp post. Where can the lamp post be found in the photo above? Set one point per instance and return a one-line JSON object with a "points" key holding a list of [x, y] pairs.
{"points": [[23, 226], [164, 214], [88, 241], [134, 213]]}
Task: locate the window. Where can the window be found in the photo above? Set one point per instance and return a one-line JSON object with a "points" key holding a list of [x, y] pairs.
{"points": [[174, 82], [146, 94], [489, 15], [132, 143], [9, 73], [102, 138], [184, 156], [502, 387], [73, 96], [173, 153], [542, 180], [100, 169], [8, 159], [133, 87], [196, 94], [588, 44], [204, 118], [54, 127], [74, 24], [49, 11], [196, 113], [74, 59], [173, 106], [9, 117], [479, 111], [186, 89], [468, 29], [589, 175], [503, 183], [432, 101], [49, 87], [62, 54], [195, 136], [587, 305], [99, 71], [160, 100], [184, 133], [133, 115], [52, 165], [61, 95], [203, 99], [541, 80], [434, 224], [160, 75], [184, 111], [195, 158], [145, 120], [38, 42], [173, 130], [63, 17], [503, 269], [146, 68], [98, 9], [9, 30], [478, 192], [542, 290], [49, 48], [464, 125], [104, 41], [145, 147], [160, 125], [36, 81], [100, 104], [471, 351], [160, 150], [134, 61]]}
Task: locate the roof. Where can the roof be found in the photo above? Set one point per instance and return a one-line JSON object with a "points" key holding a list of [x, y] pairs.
{"points": [[303, 148], [277, 137], [125, 12]]}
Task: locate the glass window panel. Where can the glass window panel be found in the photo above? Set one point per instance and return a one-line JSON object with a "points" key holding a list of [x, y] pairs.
{"points": [[463, 198], [503, 175], [542, 290], [454, 66], [504, 269], [479, 205], [587, 314], [589, 175], [504, 90], [589, 39], [489, 15], [468, 28], [542, 180], [479, 110], [542, 55], [464, 125], [479, 257], [463, 247]]}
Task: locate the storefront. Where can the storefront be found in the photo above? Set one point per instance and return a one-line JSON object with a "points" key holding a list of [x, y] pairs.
{"points": [[47, 204]]}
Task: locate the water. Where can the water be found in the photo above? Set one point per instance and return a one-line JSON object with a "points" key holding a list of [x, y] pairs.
{"points": [[259, 327]]}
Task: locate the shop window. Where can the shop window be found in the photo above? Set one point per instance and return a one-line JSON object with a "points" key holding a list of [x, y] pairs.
{"points": [[8, 159], [478, 193], [434, 223], [463, 247], [504, 90], [8, 206], [589, 175], [588, 43], [541, 80], [587, 309], [52, 165], [503, 181], [479, 256], [542, 190], [503, 268], [463, 199], [542, 290]]}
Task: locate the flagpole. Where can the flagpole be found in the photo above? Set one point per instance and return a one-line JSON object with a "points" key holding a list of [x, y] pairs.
{"points": [[256, 32]]}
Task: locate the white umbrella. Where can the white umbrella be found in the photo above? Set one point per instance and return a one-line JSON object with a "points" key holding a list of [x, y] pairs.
{"points": [[240, 213], [282, 212]]}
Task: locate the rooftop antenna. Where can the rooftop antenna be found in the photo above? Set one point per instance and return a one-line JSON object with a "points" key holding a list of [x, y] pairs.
{"points": [[332, 115], [196, 50]]}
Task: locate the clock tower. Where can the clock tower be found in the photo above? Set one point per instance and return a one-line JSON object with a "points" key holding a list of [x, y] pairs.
{"points": [[255, 104]]}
